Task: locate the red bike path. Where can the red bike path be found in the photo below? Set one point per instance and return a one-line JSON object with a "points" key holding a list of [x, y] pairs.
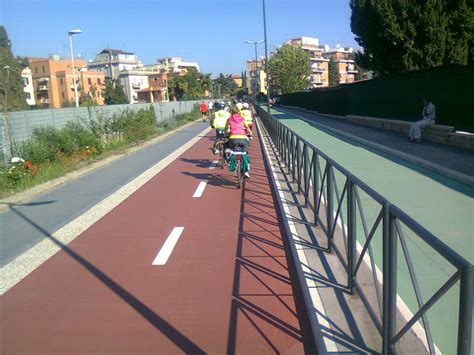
{"points": [[226, 287]]}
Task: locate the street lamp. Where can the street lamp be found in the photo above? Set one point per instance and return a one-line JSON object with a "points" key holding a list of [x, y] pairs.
{"points": [[266, 55], [72, 33], [4, 113], [256, 73]]}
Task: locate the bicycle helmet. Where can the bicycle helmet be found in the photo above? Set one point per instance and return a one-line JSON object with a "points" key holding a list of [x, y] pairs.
{"points": [[221, 106]]}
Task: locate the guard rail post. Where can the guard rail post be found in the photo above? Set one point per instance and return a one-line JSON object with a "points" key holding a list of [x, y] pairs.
{"points": [[351, 234], [465, 310], [389, 280], [329, 209]]}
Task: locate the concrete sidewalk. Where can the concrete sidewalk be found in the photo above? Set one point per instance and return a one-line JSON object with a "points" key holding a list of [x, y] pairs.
{"points": [[457, 160]]}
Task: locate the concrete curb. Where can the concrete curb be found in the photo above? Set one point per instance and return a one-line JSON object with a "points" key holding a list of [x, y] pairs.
{"points": [[51, 184], [463, 178]]}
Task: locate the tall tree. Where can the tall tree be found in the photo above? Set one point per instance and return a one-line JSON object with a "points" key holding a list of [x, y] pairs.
{"points": [[398, 36], [190, 86], [244, 80], [333, 73], [114, 94], [11, 83], [289, 69], [225, 84]]}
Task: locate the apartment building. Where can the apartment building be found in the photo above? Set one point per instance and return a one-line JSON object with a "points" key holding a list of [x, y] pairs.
{"points": [[53, 81], [112, 61], [319, 64], [256, 78], [28, 87], [344, 57], [157, 90], [174, 65]]}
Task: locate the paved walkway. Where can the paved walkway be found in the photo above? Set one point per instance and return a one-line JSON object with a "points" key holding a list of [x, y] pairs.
{"points": [[453, 158], [442, 205], [188, 263]]}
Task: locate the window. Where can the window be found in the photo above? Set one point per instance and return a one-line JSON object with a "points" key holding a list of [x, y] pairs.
{"points": [[98, 81], [36, 70], [44, 71], [61, 81], [89, 81], [62, 94], [28, 96], [25, 81]]}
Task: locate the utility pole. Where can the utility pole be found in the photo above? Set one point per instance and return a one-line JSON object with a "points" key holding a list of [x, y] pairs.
{"points": [[266, 55]]}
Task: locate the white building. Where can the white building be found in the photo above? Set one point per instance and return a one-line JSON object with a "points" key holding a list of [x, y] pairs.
{"points": [[134, 81], [176, 65], [112, 61], [28, 86]]}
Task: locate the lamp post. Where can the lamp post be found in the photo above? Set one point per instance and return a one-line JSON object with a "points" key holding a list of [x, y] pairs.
{"points": [[266, 55], [256, 72], [5, 117], [72, 33]]}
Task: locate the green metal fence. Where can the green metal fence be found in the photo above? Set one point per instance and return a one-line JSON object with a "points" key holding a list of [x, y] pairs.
{"points": [[399, 97]]}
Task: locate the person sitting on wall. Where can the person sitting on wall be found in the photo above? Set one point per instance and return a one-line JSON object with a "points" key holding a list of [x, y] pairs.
{"points": [[429, 117]]}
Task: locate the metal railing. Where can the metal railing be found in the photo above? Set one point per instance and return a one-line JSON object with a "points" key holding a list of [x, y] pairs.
{"points": [[321, 194]]}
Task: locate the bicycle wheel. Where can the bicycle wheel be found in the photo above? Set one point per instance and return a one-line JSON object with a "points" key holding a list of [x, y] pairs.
{"points": [[238, 169], [222, 156]]}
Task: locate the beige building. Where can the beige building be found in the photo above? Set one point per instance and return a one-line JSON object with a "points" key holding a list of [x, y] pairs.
{"points": [[157, 90], [237, 79], [256, 76], [319, 64], [344, 57], [53, 81]]}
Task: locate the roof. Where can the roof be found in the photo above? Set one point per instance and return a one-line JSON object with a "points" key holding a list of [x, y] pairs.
{"points": [[115, 51]]}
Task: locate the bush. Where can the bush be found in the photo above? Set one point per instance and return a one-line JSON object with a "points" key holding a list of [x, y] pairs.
{"points": [[46, 143]]}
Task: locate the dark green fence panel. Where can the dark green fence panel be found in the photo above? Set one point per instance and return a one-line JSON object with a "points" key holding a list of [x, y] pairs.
{"points": [[399, 97]]}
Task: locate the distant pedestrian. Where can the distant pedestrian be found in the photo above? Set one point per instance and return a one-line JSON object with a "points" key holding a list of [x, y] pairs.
{"points": [[429, 117], [203, 109]]}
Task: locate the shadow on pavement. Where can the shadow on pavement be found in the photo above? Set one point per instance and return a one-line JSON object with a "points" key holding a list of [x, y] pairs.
{"points": [[179, 339]]}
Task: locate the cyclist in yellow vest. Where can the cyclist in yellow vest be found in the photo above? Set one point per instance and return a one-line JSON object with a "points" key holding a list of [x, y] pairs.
{"points": [[218, 121], [247, 115]]}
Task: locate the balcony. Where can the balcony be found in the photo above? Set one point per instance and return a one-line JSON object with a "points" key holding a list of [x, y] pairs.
{"points": [[136, 86], [317, 69], [43, 80], [44, 101], [351, 69], [43, 88]]}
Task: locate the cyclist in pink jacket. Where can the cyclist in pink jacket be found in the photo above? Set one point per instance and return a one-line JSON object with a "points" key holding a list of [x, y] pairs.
{"points": [[239, 131]]}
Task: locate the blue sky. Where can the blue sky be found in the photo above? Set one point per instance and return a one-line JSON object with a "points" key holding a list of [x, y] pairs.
{"points": [[210, 32]]}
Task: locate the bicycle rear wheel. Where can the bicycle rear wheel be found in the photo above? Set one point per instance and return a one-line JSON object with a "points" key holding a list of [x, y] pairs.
{"points": [[238, 169], [222, 157]]}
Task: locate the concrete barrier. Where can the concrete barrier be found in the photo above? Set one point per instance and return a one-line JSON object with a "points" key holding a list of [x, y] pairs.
{"points": [[435, 133]]}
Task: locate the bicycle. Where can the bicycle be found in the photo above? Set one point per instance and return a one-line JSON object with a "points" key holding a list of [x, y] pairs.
{"points": [[220, 145], [238, 155]]}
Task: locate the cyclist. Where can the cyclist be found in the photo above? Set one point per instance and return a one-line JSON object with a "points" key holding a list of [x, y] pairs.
{"points": [[246, 113], [218, 122], [210, 107], [238, 133], [203, 109]]}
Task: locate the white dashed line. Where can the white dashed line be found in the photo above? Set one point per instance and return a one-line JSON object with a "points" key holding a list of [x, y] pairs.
{"points": [[168, 247], [200, 189]]}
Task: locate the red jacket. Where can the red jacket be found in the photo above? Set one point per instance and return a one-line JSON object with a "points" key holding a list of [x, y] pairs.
{"points": [[203, 107]]}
